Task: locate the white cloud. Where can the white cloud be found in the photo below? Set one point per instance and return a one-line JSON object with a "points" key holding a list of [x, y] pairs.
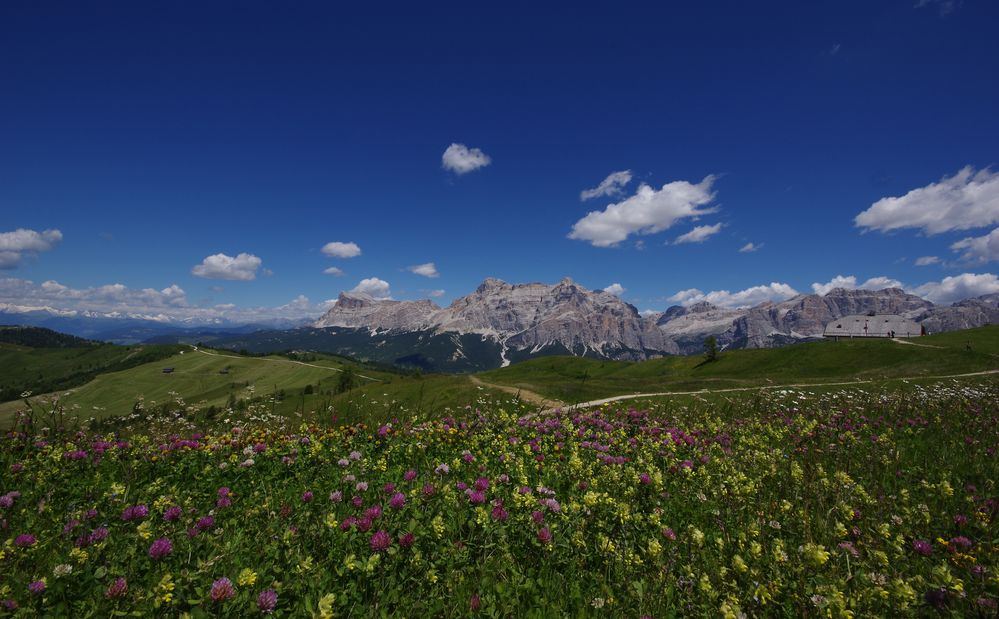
{"points": [[698, 235], [615, 289], [333, 271], [460, 159], [13, 245], [647, 212], [775, 291], [945, 7], [338, 249], [980, 249], [850, 283], [436, 293], [168, 304], [923, 261], [426, 270], [967, 200], [613, 185], [243, 267], [750, 247], [959, 287], [649, 312], [376, 288], [301, 302]]}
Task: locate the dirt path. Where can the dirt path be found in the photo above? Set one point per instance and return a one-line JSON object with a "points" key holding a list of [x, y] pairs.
{"points": [[634, 396], [523, 394], [908, 343], [311, 365]]}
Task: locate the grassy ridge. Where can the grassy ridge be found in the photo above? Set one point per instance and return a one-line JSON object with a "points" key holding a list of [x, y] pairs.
{"points": [[576, 379], [197, 378], [277, 385], [42, 370], [282, 383]]}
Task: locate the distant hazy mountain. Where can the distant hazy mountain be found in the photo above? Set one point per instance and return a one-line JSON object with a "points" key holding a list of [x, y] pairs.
{"points": [[124, 328]]}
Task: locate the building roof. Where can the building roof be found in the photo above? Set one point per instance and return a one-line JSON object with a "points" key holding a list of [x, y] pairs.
{"points": [[878, 325]]}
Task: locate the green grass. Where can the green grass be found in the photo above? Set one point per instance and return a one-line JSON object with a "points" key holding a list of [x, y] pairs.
{"points": [[575, 379], [197, 379], [41, 370], [436, 394], [279, 385]]}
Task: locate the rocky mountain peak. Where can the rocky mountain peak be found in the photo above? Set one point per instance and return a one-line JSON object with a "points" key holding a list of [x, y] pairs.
{"points": [[354, 300], [701, 307], [491, 284]]}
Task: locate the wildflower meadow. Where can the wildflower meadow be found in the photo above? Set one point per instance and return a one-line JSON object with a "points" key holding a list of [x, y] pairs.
{"points": [[783, 503]]}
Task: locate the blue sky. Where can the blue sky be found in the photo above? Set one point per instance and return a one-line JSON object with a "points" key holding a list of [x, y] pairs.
{"points": [[144, 147]]}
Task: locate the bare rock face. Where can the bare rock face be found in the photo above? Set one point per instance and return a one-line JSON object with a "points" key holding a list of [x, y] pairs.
{"points": [[355, 309], [522, 316], [531, 318], [965, 314]]}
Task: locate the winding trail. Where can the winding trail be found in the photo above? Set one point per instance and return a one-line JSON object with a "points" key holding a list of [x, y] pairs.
{"points": [[523, 394], [908, 343], [634, 396], [311, 365]]}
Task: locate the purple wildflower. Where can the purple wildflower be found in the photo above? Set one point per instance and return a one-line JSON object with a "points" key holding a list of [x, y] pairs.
{"points": [[160, 549], [538, 517], [37, 587], [474, 603], [428, 490], [224, 491], [442, 469], [307, 496], [173, 513], [500, 514], [25, 540], [482, 484], [644, 479], [136, 512], [397, 501], [410, 475], [222, 590], [98, 535], [380, 541], [373, 513], [406, 540], [545, 536], [961, 541], [669, 534], [205, 523], [362, 486], [267, 601], [117, 589], [336, 496], [476, 498], [922, 547], [223, 502]]}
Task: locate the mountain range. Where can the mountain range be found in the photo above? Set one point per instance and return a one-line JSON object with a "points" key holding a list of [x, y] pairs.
{"points": [[500, 323], [526, 320]]}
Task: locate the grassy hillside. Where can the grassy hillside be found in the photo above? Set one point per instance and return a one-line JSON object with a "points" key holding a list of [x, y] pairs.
{"points": [[272, 384], [41, 370], [574, 379], [38, 337], [203, 379]]}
